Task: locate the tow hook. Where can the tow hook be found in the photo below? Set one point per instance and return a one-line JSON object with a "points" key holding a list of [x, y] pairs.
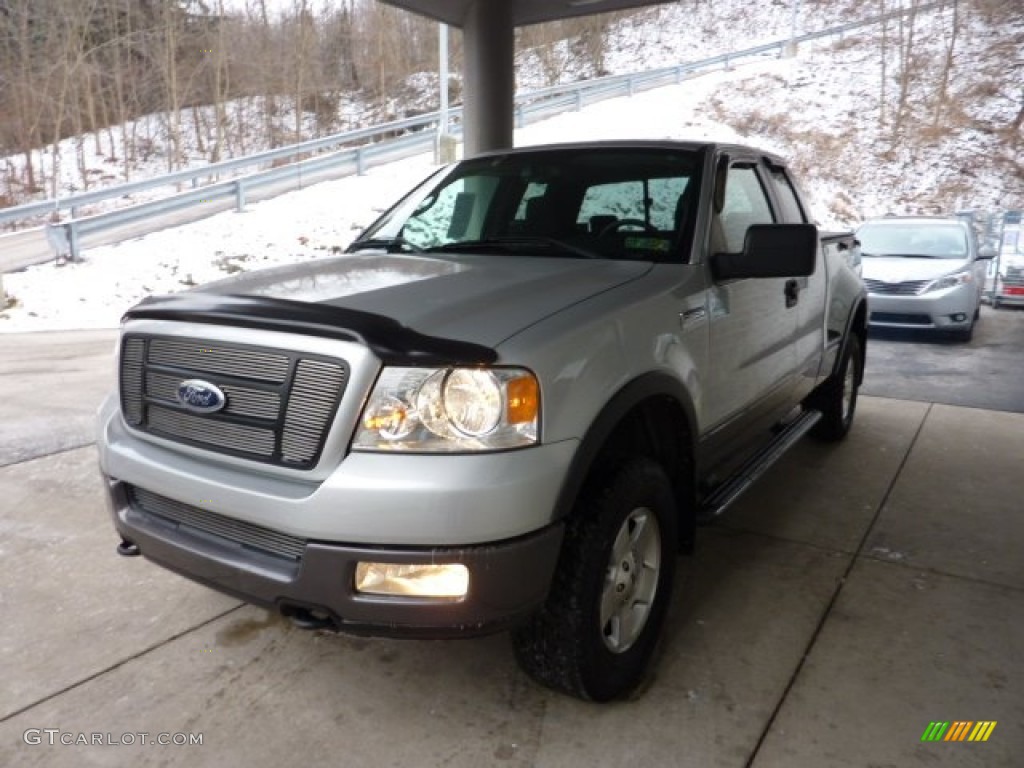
{"points": [[128, 549]]}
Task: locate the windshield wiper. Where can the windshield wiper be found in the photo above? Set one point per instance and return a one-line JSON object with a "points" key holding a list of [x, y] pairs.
{"points": [[516, 242], [390, 244]]}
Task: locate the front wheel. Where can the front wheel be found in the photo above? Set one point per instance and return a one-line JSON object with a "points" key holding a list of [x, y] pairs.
{"points": [[839, 395], [598, 630], [965, 334]]}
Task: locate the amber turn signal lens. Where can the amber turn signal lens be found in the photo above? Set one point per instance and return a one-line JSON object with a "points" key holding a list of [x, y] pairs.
{"points": [[523, 398]]}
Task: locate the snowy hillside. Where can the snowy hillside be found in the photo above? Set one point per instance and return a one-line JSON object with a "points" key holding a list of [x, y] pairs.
{"points": [[826, 109]]}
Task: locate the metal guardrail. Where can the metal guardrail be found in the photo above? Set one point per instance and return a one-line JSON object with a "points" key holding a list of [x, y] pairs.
{"points": [[213, 170], [420, 134], [357, 160]]}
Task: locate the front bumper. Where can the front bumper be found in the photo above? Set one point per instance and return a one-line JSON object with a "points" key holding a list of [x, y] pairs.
{"points": [[952, 309], [293, 542], [508, 579]]}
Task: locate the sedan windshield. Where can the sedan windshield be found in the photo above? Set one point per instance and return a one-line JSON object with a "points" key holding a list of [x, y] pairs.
{"points": [[571, 203], [924, 239]]}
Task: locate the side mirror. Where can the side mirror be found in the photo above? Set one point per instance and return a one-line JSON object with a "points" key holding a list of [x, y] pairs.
{"points": [[986, 252], [770, 250]]}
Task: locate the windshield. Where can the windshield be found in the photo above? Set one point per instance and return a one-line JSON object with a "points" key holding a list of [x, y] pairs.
{"points": [[581, 203], [925, 238]]}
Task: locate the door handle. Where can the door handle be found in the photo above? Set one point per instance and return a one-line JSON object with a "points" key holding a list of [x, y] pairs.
{"points": [[792, 292]]}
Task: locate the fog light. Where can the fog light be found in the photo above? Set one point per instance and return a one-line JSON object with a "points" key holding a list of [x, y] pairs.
{"points": [[413, 579], [959, 317]]}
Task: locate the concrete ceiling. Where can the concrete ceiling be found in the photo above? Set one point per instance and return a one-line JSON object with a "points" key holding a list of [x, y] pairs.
{"points": [[454, 12]]}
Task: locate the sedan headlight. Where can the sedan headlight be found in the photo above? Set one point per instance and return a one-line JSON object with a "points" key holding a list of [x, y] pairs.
{"points": [[949, 281], [450, 410]]}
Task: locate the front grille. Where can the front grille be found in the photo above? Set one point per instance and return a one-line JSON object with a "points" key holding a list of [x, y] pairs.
{"points": [[906, 288], [901, 318], [278, 405], [230, 530]]}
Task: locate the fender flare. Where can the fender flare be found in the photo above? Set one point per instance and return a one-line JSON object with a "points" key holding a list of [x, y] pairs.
{"points": [[644, 387], [861, 302]]}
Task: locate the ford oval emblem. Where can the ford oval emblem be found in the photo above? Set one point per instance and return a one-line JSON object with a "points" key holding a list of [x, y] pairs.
{"points": [[201, 396]]}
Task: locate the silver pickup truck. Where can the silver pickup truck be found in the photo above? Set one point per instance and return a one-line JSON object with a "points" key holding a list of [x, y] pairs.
{"points": [[508, 406]]}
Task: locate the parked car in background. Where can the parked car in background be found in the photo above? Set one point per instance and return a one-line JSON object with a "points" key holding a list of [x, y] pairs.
{"points": [[923, 272], [1010, 281]]}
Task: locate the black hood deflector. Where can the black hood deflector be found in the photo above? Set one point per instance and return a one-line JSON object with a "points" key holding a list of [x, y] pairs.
{"points": [[392, 342]]}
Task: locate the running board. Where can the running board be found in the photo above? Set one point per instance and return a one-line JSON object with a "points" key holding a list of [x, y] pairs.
{"points": [[725, 494]]}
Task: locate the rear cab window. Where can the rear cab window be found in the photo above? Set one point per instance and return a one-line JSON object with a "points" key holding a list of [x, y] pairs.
{"points": [[637, 204]]}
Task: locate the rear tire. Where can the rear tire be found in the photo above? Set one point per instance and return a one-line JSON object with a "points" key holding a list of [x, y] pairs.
{"points": [[596, 634], [838, 401]]}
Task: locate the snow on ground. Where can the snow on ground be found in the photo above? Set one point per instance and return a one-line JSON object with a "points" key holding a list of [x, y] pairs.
{"points": [[310, 223], [819, 109], [314, 222], [660, 36]]}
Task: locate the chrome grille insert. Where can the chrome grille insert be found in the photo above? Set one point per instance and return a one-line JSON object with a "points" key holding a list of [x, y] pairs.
{"points": [[227, 528], [202, 358], [278, 407], [242, 401], [188, 426], [906, 288], [132, 355], [310, 404]]}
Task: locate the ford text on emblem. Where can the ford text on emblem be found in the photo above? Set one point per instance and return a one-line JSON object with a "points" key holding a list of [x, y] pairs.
{"points": [[201, 396]]}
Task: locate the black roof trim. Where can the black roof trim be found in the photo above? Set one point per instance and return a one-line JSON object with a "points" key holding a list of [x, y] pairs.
{"points": [[392, 342]]}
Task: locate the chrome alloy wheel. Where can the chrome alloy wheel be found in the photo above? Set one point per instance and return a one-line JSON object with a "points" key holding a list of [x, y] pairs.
{"points": [[631, 580]]}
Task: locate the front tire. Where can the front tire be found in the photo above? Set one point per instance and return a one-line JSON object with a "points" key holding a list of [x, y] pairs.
{"points": [[596, 634], [838, 401]]}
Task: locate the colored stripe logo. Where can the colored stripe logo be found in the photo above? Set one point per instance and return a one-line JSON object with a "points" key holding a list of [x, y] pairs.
{"points": [[959, 730]]}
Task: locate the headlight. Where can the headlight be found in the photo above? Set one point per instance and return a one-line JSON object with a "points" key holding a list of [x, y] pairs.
{"points": [[450, 410], [949, 281]]}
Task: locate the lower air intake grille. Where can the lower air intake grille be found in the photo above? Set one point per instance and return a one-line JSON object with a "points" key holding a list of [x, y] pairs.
{"points": [[901, 318], [277, 405], [231, 530]]}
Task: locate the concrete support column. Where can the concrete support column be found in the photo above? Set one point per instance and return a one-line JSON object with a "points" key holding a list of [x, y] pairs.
{"points": [[489, 78]]}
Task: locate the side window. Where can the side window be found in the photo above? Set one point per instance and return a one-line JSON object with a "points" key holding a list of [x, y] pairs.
{"points": [[745, 203], [534, 190], [455, 213], [604, 203], [666, 211], [654, 201], [792, 213]]}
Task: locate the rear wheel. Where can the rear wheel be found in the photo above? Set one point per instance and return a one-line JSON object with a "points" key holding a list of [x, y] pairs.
{"points": [[598, 630], [838, 401]]}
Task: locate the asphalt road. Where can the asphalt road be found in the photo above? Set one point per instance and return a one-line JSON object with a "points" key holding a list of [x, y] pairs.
{"points": [[53, 383], [987, 372]]}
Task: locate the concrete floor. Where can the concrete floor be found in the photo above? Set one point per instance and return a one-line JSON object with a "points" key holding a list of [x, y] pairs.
{"points": [[855, 594]]}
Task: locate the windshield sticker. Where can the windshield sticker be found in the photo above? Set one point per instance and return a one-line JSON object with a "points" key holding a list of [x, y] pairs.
{"points": [[661, 244]]}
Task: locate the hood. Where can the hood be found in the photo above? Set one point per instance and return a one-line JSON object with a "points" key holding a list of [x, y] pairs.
{"points": [[905, 268], [478, 299]]}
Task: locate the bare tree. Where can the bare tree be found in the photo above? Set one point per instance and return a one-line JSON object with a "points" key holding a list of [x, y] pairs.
{"points": [[947, 66], [907, 69], [883, 61]]}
